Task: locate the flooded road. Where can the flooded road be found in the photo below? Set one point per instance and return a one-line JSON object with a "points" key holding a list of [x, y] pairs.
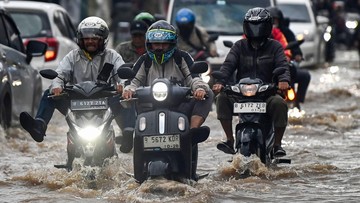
{"points": [[323, 146]]}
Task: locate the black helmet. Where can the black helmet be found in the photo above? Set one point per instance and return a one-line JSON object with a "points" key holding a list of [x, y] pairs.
{"points": [[275, 12], [161, 32], [257, 24]]}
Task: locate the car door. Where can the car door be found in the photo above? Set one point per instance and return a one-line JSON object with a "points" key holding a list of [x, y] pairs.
{"points": [[20, 74]]}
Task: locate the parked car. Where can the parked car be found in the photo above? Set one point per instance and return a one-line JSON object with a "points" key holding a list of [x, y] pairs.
{"points": [[221, 17], [20, 83], [307, 26], [47, 22]]}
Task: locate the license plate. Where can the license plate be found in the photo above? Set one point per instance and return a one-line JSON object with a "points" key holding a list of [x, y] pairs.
{"points": [[250, 107], [89, 104], [165, 142]]}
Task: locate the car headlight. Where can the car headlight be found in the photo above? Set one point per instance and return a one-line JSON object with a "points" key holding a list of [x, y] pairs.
{"points": [[160, 91], [89, 133], [249, 89]]}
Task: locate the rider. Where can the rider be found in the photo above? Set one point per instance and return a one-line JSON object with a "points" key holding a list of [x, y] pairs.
{"points": [[161, 40], [302, 76], [192, 37], [268, 55], [133, 49], [81, 64], [146, 17]]}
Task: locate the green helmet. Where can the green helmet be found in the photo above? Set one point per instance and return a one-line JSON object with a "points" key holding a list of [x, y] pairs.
{"points": [[146, 17]]}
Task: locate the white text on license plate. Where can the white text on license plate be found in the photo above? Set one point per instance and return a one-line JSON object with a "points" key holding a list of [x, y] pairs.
{"points": [[165, 142], [250, 107]]}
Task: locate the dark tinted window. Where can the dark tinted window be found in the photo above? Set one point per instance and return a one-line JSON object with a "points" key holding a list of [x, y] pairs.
{"points": [[220, 16], [13, 35], [32, 24], [3, 38]]}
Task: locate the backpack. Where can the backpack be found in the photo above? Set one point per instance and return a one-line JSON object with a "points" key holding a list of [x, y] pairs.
{"points": [[178, 56]]}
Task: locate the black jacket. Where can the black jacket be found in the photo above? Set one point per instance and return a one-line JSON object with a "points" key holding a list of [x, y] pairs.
{"points": [[249, 62]]}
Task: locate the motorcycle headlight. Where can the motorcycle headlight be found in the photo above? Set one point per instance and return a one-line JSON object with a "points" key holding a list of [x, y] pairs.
{"points": [[249, 89], [89, 133], [351, 24], [160, 91]]}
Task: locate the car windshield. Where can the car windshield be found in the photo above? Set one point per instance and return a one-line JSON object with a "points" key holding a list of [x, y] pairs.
{"points": [[219, 16], [31, 24], [295, 12]]}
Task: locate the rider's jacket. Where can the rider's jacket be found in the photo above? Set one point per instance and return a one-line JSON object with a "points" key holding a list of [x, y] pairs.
{"points": [[249, 62], [78, 67], [167, 70]]}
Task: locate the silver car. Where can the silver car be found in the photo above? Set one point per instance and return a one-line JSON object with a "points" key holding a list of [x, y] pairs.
{"points": [[20, 83], [47, 22]]}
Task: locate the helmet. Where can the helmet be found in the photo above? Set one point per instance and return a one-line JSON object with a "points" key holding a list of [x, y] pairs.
{"points": [[92, 27], [146, 17], [257, 24], [161, 32], [276, 13], [185, 21]]}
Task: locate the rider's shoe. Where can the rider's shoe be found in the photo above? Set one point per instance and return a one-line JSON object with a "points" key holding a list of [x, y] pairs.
{"points": [[227, 147], [199, 134], [36, 127], [127, 140], [279, 151]]}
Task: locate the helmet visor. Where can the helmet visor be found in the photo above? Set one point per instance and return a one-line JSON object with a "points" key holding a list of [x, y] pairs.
{"points": [[255, 30], [90, 33], [161, 36]]}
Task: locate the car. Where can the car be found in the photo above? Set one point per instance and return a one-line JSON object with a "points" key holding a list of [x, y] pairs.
{"points": [[223, 18], [309, 27], [47, 22], [20, 83]]}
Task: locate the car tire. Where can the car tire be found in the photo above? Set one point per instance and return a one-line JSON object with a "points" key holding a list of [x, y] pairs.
{"points": [[5, 108]]}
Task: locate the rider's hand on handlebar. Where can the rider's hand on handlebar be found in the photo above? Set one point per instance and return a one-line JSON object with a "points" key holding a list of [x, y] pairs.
{"points": [[56, 91], [283, 86], [127, 94], [199, 94], [217, 87], [119, 88]]}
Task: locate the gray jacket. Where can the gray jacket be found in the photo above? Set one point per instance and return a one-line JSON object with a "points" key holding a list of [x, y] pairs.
{"points": [[75, 67], [167, 70]]}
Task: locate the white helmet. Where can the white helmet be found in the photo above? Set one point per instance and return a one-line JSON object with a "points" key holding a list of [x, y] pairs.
{"points": [[92, 27]]}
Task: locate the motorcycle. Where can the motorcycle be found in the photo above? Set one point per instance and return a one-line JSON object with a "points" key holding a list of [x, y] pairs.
{"points": [[91, 134], [203, 55], [164, 144], [290, 95], [254, 132]]}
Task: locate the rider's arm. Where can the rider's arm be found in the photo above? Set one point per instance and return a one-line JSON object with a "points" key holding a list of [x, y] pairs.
{"points": [[231, 61], [139, 79], [64, 70], [281, 62]]}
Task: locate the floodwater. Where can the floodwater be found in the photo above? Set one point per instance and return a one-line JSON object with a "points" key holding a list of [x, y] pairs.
{"points": [[323, 145]]}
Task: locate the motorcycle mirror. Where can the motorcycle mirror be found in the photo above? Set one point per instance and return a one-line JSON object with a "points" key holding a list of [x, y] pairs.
{"points": [[49, 73], [199, 67], [105, 72], [125, 72], [228, 43], [218, 75], [213, 37]]}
